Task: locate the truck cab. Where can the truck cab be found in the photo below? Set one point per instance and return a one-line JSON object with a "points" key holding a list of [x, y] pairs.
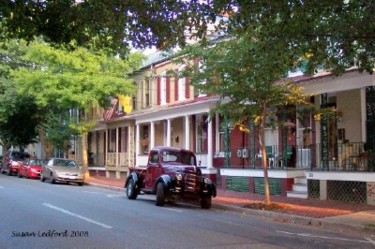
{"points": [[171, 173]]}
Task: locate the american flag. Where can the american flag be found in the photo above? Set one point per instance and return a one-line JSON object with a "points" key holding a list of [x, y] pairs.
{"points": [[110, 112]]}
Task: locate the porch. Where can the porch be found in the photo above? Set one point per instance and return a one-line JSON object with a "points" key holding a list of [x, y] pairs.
{"points": [[344, 172], [116, 165], [316, 157]]}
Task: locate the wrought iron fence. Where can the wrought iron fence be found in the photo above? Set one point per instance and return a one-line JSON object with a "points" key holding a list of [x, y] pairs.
{"points": [[341, 157]]}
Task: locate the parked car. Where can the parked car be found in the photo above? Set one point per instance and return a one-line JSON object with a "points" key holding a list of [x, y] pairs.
{"points": [[62, 170], [30, 168], [171, 174], [13, 159]]}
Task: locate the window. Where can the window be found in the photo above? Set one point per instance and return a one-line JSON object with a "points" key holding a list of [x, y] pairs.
{"points": [[181, 85], [304, 129], [124, 139], [202, 67], [154, 157], [147, 92], [145, 139], [112, 140], [201, 130], [134, 102], [221, 125]]}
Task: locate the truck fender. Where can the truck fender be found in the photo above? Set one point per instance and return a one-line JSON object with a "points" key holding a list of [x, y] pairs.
{"points": [[165, 179], [133, 176], [209, 187]]}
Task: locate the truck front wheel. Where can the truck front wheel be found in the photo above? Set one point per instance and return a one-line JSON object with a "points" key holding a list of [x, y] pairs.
{"points": [[160, 195], [131, 191], [206, 202]]}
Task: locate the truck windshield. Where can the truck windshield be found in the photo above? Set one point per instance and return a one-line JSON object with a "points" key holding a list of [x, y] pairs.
{"points": [[179, 157]]}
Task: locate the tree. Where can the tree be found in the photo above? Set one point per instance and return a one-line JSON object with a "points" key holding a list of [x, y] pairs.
{"points": [[335, 34], [61, 79], [19, 117], [97, 24], [19, 114], [251, 84]]}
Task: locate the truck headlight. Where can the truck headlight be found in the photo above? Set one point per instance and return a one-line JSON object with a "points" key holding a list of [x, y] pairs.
{"points": [[179, 177]]}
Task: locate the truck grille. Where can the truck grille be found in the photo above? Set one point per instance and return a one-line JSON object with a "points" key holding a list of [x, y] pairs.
{"points": [[190, 182]]}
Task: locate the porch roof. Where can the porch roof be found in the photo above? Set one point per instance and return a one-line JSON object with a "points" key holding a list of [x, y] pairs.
{"points": [[191, 107], [327, 82]]}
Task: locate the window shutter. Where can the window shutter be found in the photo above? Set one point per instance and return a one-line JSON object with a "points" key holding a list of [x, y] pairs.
{"points": [[168, 89], [158, 89], [187, 88], [176, 88]]}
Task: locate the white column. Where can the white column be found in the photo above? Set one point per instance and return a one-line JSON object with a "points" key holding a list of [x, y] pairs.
{"points": [[137, 143], [363, 114], [152, 135], [168, 132], [116, 148], [210, 147], [187, 132], [217, 140], [106, 152], [106, 146]]}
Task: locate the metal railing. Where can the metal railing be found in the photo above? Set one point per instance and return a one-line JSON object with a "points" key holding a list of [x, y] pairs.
{"points": [[341, 157]]}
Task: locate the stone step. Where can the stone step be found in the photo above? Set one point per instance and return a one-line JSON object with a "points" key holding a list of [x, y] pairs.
{"points": [[297, 194], [300, 180], [299, 187]]}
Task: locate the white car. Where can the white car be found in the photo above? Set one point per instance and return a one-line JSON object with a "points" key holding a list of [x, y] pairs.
{"points": [[62, 170]]}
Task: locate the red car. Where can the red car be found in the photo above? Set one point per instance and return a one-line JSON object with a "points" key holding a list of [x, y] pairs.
{"points": [[30, 168], [13, 159]]}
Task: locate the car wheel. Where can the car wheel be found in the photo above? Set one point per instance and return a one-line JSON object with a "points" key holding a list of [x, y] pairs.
{"points": [[160, 195], [206, 202], [42, 179], [80, 184], [131, 191], [19, 175], [51, 179], [9, 173]]}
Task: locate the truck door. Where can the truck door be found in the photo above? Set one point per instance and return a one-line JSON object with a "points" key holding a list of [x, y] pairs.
{"points": [[154, 169]]}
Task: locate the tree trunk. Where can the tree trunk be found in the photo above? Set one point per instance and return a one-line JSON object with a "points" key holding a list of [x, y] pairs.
{"points": [[267, 199], [46, 145], [6, 147], [84, 154]]}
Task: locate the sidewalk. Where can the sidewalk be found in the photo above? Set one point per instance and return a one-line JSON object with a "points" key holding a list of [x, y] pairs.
{"points": [[331, 214]]}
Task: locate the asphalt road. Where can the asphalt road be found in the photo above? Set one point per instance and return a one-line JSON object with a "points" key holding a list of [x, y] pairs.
{"points": [[40, 215]]}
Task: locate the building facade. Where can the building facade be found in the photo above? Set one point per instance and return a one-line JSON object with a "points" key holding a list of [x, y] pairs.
{"points": [[309, 156]]}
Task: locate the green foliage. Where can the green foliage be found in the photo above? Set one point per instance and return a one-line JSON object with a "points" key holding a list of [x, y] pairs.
{"points": [[250, 83], [73, 79], [57, 128], [111, 24], [49, 81], [20, 126], [335, 34]]}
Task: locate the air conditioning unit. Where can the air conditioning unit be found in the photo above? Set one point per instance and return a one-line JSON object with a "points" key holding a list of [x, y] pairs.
{"points": [[245, 153], [239, 152]]}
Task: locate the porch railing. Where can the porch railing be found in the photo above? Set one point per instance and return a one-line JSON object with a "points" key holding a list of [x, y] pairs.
{"points": [[121, 157], [341, 157]]}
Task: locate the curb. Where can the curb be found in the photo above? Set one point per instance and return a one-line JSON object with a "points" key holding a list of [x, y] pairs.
{"points": [[277, 217], [296, 219], [120, 189]]}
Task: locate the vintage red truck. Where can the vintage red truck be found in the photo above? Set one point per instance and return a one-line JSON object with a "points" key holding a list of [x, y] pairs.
{"points": [[171, 174]]}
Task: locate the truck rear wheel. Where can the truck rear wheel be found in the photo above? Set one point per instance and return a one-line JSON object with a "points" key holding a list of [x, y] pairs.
{"points": [[160, 195], [206, 202], [131, 192]]}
